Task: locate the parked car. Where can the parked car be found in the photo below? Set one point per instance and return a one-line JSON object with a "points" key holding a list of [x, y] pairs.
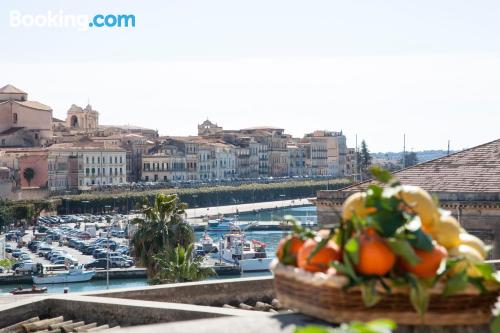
{"points": [[99, 263], [27, 267]]}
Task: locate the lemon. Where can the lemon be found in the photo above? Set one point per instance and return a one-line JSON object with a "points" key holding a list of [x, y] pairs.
{"points": [[447, 232], [474, 242], [421, 203], [354, 205], [468, 252]]}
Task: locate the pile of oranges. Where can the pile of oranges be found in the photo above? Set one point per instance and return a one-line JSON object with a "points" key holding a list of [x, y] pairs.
{"points": [[373, 245]]}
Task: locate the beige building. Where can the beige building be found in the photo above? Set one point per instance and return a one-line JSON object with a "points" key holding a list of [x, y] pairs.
{"points": [[297, 153], [329, 146], [82, 120], [467, 183], [351, 166], [169, 165], [96, 163], [23, 123]]}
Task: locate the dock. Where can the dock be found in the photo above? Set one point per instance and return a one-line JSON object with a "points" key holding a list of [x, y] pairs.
{"points": [[221, 268], [114, 274]]}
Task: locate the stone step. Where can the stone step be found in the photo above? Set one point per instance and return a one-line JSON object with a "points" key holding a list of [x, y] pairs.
{"points": [[18, 328], [41, 324], [85, 328], [98, 328], [70, 327]]}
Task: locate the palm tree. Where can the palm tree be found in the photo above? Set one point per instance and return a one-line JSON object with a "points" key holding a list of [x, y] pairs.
{"points": [[179, 265], [29, 174], [161, 228]]}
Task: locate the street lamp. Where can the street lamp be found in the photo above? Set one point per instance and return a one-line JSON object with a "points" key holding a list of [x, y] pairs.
{"points": [[195, 205]]}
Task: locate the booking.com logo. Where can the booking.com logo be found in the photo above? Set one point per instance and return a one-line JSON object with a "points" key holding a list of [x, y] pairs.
{"points": [[61, 20]]}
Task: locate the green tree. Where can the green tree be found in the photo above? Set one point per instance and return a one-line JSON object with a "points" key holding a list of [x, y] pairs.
{"points": [[29, 174], [364, 159], [161, 228], [179, 265], [410, 159]]}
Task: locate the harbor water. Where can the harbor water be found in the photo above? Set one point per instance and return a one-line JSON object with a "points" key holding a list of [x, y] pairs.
{"points": [[270, 238]]}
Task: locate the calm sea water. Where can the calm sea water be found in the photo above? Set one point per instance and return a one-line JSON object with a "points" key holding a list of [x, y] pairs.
{"points": [[270, 238]]}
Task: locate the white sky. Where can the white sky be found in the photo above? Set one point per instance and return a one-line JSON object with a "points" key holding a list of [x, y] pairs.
{"points": [[377, 69]]}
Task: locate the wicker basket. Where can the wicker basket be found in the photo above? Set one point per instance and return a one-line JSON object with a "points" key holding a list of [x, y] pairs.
{"points": [[322, 296]]}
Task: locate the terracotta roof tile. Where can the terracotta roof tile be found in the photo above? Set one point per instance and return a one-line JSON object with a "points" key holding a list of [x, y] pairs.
{"points": [[475, 169]]}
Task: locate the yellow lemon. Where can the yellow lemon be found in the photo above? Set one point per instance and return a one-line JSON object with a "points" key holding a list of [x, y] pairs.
{"points": [[420, 201], [468, 252], [471, 270], [355, 206], [447, 232], [474, 242]]}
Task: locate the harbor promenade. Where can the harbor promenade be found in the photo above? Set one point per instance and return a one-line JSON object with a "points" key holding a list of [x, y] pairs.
{"points": [[198, 213]]}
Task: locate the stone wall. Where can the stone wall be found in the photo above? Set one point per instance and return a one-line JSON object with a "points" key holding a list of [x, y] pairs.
{"points": [[213, 293]]}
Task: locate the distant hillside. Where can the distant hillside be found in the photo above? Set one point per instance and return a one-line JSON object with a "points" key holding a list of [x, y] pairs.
{"points": [[422, 156]]}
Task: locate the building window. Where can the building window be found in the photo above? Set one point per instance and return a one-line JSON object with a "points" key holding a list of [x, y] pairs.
{"points": [[92, 159], [87, 159], [93, 171], [110, 171], [87, 171], [98, 160], [3, 142], [110, 160], [116, 171], [121, 171], [14, 118], [121, 159], [116, 159]]}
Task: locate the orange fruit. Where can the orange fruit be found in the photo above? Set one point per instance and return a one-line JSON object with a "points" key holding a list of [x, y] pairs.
{"points": [[320, 262], [375, 257], [429, 262], [293, 245]]}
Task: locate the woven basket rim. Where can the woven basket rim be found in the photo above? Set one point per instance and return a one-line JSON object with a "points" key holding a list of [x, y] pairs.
{"points": [[340, 281]]}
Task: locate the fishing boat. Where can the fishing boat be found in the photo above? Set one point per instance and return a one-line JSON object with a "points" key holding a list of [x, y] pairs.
{"points": [[28, 291], [225, 224], [250, 255], [74, 274]]}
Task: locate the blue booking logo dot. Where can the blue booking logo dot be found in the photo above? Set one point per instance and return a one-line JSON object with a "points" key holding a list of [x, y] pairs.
{"points": [[91, 24]]}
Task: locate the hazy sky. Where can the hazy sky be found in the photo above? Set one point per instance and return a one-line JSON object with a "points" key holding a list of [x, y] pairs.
{"points": [[378, 69]]}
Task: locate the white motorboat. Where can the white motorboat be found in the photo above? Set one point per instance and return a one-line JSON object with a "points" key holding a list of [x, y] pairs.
{"points": [[74, 274], [205, 245], [251, 255], [225, 224]]}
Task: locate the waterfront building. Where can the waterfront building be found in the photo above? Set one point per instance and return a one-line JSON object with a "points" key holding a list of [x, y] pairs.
{"points": [[87, 161], [297, 156], [467, 183], [23, 123], [328, 153], [164, 166]]}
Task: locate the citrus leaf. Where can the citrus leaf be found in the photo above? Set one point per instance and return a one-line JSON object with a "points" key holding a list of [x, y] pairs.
{"points": [[312, 329], [352, 247], [487, 271], [369, 293], [403, 248], [456, 283], [380, 174], [419, 296], [495, 325], [421, 240]]}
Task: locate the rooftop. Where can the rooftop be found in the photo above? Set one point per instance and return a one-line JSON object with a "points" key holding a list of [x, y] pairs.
{"points": [[34, 105], [10, 89], [475, 169]]}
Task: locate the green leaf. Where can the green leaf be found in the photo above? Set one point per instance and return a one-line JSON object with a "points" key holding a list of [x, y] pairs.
{"points": [[380, 174], [403, 248], [312, 329], [369, 293], [495, 325], [456, 283], [421, 240], [352, 247], [487, 271], [349, 269], [419, 296], [388, 222]]}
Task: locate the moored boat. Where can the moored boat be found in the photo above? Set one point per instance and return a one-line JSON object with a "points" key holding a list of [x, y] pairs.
{"points": [[251, 256], [28, 291], [74, 274]]}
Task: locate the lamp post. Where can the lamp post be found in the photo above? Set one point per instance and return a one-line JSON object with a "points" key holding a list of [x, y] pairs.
{"points": [[195, 205], [107, 261]]}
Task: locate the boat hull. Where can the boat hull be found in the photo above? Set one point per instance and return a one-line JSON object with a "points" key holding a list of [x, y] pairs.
{"points": [[253, 265], [64, 278]]}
